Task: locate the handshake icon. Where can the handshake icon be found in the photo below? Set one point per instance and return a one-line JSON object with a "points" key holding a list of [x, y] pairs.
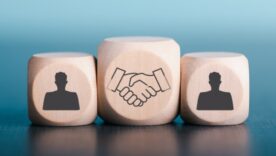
{"points": [[137, 88]]}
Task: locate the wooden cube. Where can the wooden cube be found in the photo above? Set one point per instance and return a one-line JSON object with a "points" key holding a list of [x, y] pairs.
{"points": [[62, 89], [214, 88], [138, 80]]}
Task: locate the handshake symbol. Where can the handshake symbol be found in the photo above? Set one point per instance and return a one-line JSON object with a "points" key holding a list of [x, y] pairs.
{"points": [[137, 88]]}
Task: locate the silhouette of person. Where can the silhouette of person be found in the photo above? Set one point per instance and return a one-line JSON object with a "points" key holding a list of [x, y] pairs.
{"points": [[61, 99], [215, 99]]}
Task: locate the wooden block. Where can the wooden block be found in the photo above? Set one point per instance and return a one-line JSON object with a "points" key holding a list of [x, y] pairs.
{"points": [[62, 89], [138, 80], [214, 88]]}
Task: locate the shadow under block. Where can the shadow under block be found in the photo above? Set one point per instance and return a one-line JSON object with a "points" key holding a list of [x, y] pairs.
{"points": [[138, 80], [62, 89], [214, 88]]}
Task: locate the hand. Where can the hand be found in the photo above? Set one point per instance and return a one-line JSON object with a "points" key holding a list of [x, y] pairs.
{"points": [[143, 91], [137, 88], [130, 97], [127, 94], [149, 80], [124, 81], [137, 94]]}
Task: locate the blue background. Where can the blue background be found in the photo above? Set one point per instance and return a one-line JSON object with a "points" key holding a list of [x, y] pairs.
{"points": [[28, 27]]}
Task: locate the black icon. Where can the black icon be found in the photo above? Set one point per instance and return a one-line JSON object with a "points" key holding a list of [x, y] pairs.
{"points": [[215, 99], [61, 99], [148, 85]]}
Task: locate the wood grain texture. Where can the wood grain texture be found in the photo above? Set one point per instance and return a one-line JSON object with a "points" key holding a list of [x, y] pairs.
{"points": [[75, 73], [138, 79], [214, 88]]}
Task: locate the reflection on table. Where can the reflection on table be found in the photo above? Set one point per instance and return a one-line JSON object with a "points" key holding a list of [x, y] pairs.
{"points": [[62, 140], [138, 141], [171, 140], [214, 141]]}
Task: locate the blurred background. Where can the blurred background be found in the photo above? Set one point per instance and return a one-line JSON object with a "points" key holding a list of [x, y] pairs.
{"points": [[28, 27], [32, 26]]}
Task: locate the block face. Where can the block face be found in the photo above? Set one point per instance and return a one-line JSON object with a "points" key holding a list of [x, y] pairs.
{"points": [[210, 104], [215, 88], [62, 91], [144, 83], [137, 85], [54, 104]]}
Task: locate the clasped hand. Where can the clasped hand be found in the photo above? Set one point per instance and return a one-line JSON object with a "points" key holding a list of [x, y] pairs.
{"points": [[137, 88]]}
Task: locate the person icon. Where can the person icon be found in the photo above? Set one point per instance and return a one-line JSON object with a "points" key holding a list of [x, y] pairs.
{"points": [[215, 99], [61, 99]]}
